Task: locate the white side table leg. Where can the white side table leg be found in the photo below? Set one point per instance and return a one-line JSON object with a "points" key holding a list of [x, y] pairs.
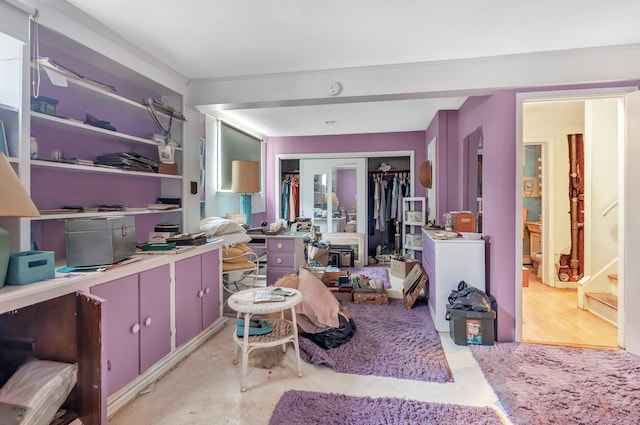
{"points": [[295, 341], [245, 352]]}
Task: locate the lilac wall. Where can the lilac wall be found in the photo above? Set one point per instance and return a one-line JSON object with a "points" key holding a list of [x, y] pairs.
{"points": [[346, 189], [358, 144], [496, 116]]}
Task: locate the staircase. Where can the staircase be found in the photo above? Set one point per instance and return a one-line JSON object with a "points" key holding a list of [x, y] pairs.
{"points": [[605, 304]]}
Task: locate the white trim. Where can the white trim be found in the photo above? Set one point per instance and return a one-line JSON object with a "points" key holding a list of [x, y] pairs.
{"points": [[559, 95], [548, 204]]}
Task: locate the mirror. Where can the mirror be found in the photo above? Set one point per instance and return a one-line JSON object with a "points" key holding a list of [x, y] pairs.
{"points": [[336, 183], [319, 195], [472, 172], [431, 192]]}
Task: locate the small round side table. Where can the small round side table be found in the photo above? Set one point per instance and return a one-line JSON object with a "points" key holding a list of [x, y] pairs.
{"points": [[284, 330]]}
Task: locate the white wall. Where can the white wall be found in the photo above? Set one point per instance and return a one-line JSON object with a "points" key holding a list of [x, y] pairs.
{"points": [[556, 120], [601, 160]]}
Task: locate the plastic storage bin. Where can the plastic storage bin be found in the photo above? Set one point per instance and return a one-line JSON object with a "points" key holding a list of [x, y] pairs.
{"points": [[471, 327], [30, 266]]}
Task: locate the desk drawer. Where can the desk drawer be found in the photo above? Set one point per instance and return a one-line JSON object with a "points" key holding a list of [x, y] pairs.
{"points": [[280, 259], [273, 274], [280, 245]]}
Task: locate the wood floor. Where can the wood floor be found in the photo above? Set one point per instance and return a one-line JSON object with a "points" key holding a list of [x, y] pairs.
{"points": [[551, 316]]}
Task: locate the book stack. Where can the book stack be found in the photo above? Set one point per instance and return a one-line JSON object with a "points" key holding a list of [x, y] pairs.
{"points": [[130, 161]]}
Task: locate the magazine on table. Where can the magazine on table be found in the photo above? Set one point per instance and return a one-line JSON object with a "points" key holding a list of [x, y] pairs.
{"points": [[269, 295]]}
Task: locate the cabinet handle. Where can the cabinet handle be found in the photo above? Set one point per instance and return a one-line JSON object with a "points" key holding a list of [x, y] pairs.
{"points": [[279, 245], [108, 364], [124, 230], [207, 290], [200, 294], [135, 328], [147, 321], [279, 260]]}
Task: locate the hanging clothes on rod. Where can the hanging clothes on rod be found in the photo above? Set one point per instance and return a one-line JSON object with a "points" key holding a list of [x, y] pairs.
{"points": [[290, 198]]}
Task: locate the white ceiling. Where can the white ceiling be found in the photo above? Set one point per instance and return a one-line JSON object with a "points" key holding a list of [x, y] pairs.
{"points": [[222, 40]]}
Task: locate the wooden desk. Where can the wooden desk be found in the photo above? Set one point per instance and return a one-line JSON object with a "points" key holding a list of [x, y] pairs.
{"points": [[285, 252]]}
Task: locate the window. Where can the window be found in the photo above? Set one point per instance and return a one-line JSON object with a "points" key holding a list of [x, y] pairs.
{"points": [[235, 144]]}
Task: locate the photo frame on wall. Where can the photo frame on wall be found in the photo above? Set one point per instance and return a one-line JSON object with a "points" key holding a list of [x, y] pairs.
{"points": [[4, 145]]}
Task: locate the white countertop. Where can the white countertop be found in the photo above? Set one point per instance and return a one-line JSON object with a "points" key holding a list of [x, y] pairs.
{"points": [[13, 297]]}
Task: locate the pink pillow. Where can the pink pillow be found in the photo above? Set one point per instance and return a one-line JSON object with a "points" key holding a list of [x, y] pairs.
{"points": [[318, 303]]}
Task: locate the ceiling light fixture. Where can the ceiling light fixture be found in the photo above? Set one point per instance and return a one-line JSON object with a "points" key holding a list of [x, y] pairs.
{"points": [[331, 122]]}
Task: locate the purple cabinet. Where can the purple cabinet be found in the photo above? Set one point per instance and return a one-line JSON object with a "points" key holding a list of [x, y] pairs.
{"points": [[137, 325], [211, 286], [155, 316], [197, 294]]}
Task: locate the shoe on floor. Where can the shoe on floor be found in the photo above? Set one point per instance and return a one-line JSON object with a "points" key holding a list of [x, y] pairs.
{"points": [[260, 327]]}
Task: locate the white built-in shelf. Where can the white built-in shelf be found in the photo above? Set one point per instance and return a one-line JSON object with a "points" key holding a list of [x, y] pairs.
{"points": [[102, 214], [412, 205], [87, 84], [49, 121], [99, 169]]}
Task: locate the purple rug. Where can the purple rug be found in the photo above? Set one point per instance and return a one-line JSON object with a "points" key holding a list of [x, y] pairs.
{"points": [[307, 407], [375, 273], [390, 340], [541, 384]]}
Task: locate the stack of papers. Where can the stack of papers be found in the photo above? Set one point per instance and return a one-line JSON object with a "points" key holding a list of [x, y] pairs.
{"points": [[270, 295]]}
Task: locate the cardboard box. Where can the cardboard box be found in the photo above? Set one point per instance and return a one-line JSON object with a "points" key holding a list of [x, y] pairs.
{"points": [[471, 327], [331, 278], [168, 169], [463, 221], [402, 268]]}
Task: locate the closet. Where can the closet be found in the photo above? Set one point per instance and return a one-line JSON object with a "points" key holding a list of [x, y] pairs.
{"points": [[338, 194]]}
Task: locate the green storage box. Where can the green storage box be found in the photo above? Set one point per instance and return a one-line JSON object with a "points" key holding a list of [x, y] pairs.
{"points": [[30, 266], [471, 327]]}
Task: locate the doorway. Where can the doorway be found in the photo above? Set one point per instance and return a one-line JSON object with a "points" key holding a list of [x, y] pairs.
{"points": [[555, 308]]}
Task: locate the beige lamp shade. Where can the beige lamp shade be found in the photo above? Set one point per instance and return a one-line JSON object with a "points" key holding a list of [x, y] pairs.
{"points": [[245, 176], [14, 200]]}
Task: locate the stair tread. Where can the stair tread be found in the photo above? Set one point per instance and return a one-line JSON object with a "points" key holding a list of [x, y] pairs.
{"points": [[613, 276], [606, 298]]}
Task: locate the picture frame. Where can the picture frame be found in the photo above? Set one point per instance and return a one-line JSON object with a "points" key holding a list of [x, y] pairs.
{"points": [[4, 144], [354, 241], [414, 283]]}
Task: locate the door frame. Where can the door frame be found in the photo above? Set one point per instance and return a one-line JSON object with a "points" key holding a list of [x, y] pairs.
{"points": [[366, 155], [548, 196], [578, 94]]}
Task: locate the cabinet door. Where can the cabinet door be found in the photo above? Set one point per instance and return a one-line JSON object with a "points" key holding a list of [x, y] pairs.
{"points": [[188, 299], [210, 287], [122, 330], [155, 316]]}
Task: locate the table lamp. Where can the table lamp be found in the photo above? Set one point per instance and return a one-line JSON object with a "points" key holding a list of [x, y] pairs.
{"points": [[245, 179], [14, 202]]}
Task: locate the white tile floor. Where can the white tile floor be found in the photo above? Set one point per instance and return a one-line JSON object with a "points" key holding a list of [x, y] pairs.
{"points": [[205, 387]]}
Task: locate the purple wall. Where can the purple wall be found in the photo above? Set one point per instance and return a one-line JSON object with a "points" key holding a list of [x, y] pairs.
{"points": [[358, 144], [347, 189], [497, 116]]}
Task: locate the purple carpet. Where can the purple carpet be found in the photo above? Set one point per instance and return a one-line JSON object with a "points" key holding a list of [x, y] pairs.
{"points": [[541, 384], [390, 340], [306, 407], [375, 273]]}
